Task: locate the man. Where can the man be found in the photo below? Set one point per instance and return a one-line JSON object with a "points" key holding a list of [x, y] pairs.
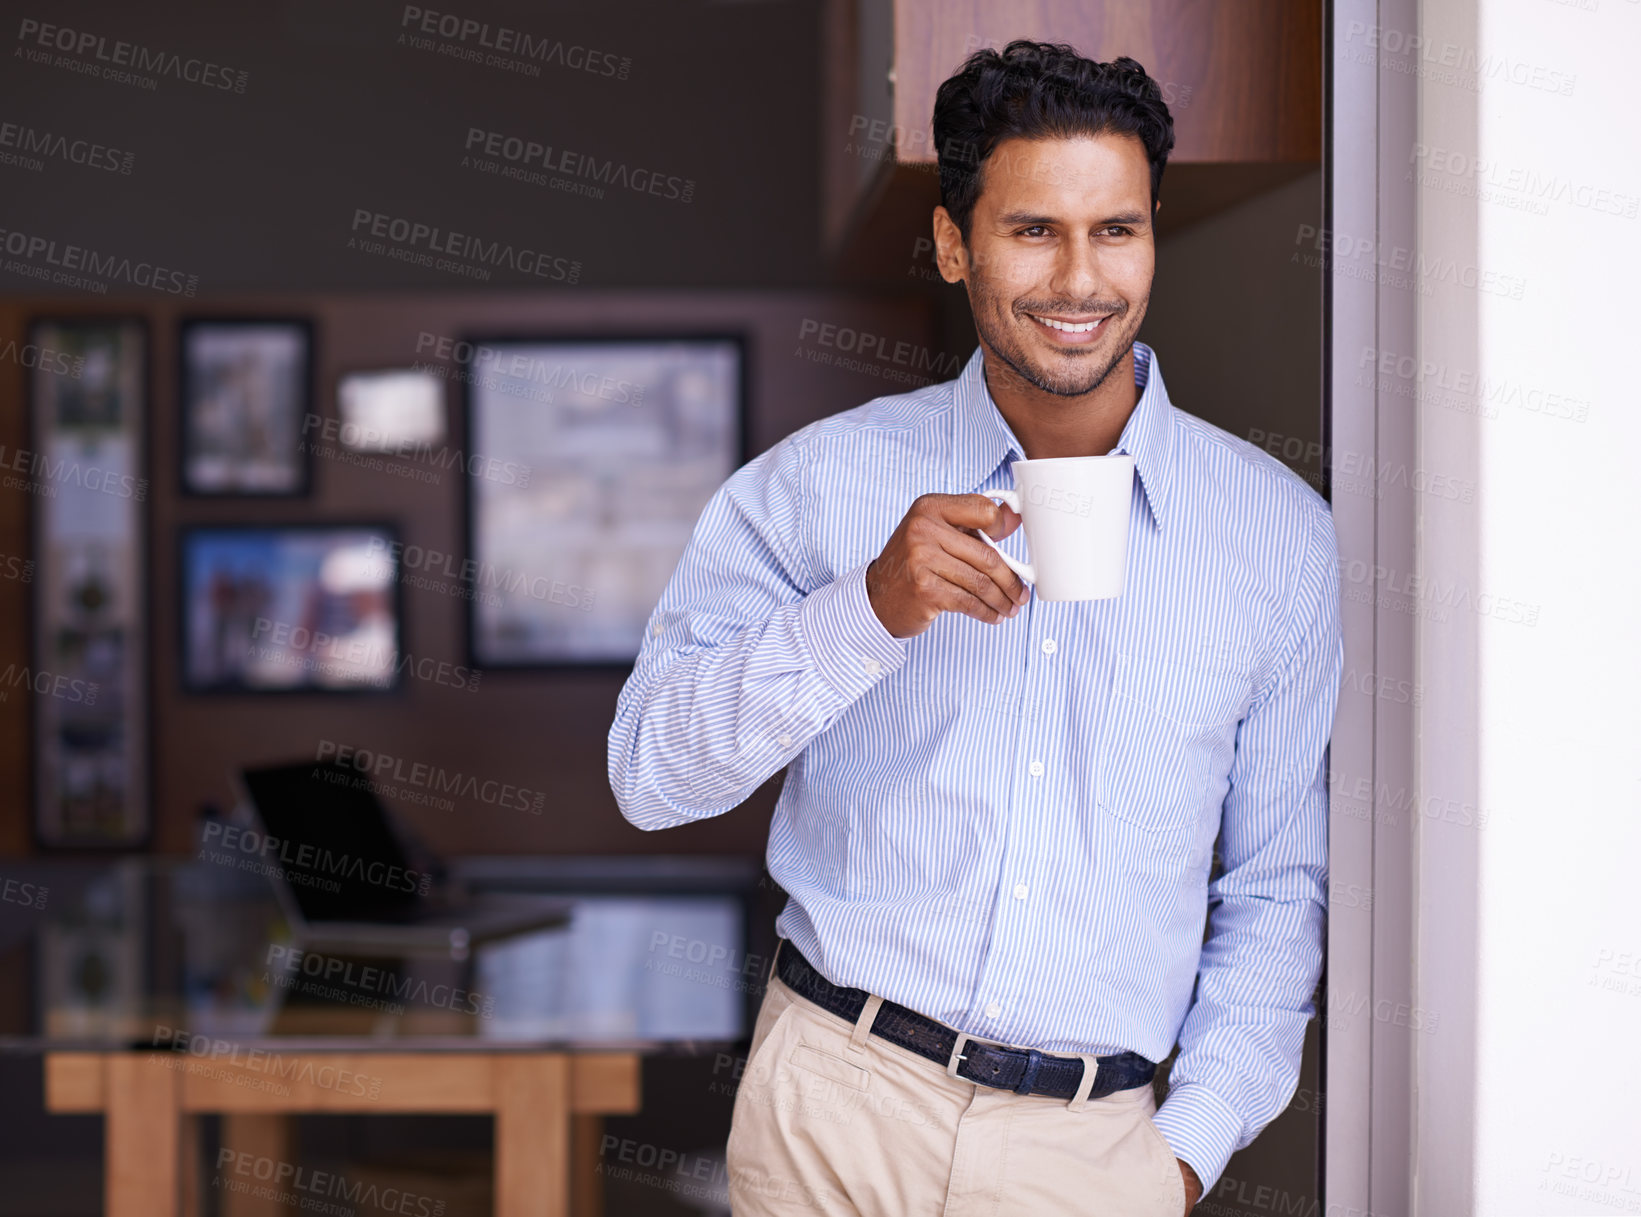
{"points": [[1000, 812]]}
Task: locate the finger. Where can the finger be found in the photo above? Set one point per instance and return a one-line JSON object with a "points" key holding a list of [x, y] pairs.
{"points": [[976, 583], [978, 512], [952, 597], [986, 562]]}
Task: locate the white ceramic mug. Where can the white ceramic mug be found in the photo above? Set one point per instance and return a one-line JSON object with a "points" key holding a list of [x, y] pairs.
{"points": [[1075, 512]]}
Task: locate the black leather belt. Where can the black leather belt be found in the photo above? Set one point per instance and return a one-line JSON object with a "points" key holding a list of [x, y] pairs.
{"points": [[1022, 1070]]}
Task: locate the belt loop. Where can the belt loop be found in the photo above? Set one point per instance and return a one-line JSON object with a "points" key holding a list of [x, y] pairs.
{"points": [[863, 1024], [1091, 1067]]}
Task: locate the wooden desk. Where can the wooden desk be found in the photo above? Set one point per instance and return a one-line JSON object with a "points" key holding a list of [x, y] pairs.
{"points": [[547, 1106]]}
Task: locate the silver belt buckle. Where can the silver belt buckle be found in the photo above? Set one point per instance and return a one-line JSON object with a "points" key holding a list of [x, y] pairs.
{"points": [[957, 1055]]}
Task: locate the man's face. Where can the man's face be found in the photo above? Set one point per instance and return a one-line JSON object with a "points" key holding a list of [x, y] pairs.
{"points": [[1061, 233]]}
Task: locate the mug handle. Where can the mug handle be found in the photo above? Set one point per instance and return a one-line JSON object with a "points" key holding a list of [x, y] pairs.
{"points": [[1025, 570]]}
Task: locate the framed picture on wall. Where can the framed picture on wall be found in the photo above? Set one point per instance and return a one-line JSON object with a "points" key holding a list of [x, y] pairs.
{"points": [[86, 676], [302, 608], [247, 388], [589, 461], [393, 411]]}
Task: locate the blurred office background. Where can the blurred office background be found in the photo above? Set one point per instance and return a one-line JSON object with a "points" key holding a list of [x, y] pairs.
{"points": [[724, 202]]}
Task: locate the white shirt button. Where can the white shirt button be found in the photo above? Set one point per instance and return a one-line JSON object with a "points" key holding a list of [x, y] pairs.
{"points": [[871, 666], [655, 627], [993, 1010], [1021, 891], [1050, 646], [1037, 769], [785, 741]]}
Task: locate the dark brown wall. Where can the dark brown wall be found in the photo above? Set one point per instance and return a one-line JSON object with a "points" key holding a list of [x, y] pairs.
{"points": [[257, 190], [540, 731]]}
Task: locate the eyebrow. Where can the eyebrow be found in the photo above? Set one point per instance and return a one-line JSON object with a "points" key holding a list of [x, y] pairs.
{"points": [[1012, 218]]}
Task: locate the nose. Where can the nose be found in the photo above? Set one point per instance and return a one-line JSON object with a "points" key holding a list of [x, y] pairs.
{"points": [[1077, 274]]}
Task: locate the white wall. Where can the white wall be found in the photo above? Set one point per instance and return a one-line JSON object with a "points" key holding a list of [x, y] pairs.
{"points": [[1529, 1100]]}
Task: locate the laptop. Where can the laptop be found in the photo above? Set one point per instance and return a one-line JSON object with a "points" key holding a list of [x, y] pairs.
{"points": [[345, 880]]}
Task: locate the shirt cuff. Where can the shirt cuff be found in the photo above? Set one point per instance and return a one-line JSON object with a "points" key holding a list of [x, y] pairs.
{"points": [[1201, 1128], [849, 645]]}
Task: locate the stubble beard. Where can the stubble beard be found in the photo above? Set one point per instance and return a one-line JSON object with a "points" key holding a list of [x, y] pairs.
{"points": [[991, 319]]}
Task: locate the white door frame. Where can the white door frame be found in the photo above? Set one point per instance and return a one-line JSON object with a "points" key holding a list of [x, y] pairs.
{"points": [[1370, 212]]}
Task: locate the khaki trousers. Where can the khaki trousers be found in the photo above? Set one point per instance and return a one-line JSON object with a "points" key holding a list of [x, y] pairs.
{"points": [[830, 1120]]}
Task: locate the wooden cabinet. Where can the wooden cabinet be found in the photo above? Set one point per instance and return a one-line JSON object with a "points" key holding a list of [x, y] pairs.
{"points": [[1242, 78]]}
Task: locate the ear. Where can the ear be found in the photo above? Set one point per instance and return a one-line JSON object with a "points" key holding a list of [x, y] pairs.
{"points": [[951, 255]]}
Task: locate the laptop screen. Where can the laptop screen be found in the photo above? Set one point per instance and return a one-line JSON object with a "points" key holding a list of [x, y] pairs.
{"points": [[329, 841]]}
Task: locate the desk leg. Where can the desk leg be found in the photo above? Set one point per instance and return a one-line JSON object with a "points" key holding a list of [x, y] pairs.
{"points": [[262, 1137], [189, 1138], [532, 1135], [586, 1183], [142, 1151]]}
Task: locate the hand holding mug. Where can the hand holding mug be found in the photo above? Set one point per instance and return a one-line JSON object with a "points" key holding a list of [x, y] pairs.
{"points": [[936, 562]]}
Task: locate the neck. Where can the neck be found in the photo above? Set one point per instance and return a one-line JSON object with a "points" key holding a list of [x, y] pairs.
{"points": [[1049, 425]]}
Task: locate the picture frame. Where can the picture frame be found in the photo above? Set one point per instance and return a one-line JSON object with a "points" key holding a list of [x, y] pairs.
{"points": [[309, 608], [589, 458], [86, 434], [246, 391], [387, 412]]}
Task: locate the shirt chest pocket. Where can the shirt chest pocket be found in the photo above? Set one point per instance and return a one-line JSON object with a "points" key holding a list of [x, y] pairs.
{"points": [[1167, 740]]}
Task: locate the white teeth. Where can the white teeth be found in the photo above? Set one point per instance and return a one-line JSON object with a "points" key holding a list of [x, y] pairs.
{"points": [[1081, 328]]}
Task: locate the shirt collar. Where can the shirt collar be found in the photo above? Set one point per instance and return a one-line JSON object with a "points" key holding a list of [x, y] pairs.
{"points": [[982, 439]]}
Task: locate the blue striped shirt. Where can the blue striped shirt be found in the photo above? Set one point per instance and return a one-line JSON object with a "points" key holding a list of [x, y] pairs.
{"points": [[1010, 827]]}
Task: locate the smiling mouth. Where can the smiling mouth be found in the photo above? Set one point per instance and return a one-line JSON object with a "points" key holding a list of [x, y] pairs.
{"points": [[1069, 327]]}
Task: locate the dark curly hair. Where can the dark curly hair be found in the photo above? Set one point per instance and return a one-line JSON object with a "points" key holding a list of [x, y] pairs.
{"points": [[1033, 90]]}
